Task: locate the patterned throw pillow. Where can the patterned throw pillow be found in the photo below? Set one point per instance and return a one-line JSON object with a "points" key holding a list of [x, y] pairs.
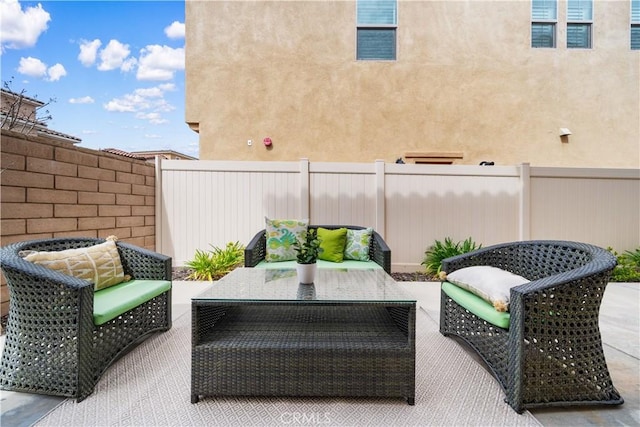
{"points": [[99, 264], [357, 247], [281, 235]]}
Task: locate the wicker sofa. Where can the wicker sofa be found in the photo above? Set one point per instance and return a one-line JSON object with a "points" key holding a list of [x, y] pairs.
{"points": [[551, 353], [379, 252], [53, 345]]}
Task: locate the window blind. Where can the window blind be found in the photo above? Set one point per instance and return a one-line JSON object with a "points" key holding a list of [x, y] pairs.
{"points": [[579, 10], [376, 44], [377, 12], [543, 35], [544, 10], [635, 11]]}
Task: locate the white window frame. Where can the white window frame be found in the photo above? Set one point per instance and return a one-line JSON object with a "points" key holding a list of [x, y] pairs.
{"points": [[587, 23], [553, 22], [635, 24], [374, 26]]}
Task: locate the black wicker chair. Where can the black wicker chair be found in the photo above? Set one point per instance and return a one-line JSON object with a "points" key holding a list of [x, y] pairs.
{"points": [[551, 355], [379, 252], [52, 346]]}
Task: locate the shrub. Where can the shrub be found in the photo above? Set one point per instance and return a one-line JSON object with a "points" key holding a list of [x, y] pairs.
{"points": [[434, 255], [216, 263], [628, 268]]}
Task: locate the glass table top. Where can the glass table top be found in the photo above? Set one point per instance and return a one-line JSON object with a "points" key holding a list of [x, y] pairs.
{"points": [[257, 284]]}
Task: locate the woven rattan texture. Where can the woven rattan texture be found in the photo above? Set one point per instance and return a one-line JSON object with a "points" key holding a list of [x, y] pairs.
{"points": [[379, 251], [52, 345], [294, 349], [552, 353]]}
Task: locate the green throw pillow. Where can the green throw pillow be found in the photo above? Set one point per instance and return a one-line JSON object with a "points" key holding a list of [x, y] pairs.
{"points": [[281, 235], [358, 242], [332, 243]]}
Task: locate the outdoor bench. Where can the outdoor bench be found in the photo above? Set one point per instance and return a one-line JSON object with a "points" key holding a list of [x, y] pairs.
{"points": [[61, 333], [379, 253], [546, 350]]}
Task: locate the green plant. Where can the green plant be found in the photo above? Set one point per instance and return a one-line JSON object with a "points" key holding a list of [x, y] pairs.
{"points": [[628, 268], [308, 248], [434, 254], [214, 264]]}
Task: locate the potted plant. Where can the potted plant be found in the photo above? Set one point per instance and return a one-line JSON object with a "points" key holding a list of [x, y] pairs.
{"points": [[307, 251]]}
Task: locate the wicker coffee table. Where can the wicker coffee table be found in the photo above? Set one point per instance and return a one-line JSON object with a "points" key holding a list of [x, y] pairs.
{"points": [[257, 332]]}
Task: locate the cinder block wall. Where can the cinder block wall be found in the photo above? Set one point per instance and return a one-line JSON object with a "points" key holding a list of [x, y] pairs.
{"points": [[55, 189]]}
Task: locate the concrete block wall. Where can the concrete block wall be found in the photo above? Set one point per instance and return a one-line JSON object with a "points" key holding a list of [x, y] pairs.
{"points": [[55, 189]]}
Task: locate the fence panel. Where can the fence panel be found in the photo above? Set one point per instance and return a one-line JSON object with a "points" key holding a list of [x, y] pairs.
{"points": [[596, 206], [203, 203], [424, 204]]}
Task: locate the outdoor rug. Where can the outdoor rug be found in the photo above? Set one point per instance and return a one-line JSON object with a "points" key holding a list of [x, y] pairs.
{"points": [[150, 386]]}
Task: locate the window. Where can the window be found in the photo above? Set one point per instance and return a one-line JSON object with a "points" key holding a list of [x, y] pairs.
{"points": [[376, 29], [544, 17], [635, 24], [579, 22]]}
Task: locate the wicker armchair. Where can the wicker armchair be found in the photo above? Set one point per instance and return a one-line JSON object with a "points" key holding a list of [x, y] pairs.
{"points": [[52, 345], [379, 252], [551, 355]]}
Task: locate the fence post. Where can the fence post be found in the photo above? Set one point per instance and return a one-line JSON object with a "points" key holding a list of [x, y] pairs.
{"points": [[380, 198], [305, 195], [525, 202], [158, 217]]}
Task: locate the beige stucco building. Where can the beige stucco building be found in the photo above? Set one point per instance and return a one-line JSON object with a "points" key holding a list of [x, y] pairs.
{"points": [[465, 86]]}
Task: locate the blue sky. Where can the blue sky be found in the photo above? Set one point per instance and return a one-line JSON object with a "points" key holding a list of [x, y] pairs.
{"points": [[114, 68]]}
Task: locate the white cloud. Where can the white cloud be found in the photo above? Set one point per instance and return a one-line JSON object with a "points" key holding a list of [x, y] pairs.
{"points": [[175, 30], [147, 103], [20, 29], [55, 72], [159, 62], [88, 52], [157, 91], [129, 103], [129, 64], [152, 136], [113, 56], [83, 100], [153, 118], [32, 67]]}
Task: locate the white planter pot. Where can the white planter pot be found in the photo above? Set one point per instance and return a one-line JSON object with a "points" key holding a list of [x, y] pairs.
{"points": [[306, 273]]}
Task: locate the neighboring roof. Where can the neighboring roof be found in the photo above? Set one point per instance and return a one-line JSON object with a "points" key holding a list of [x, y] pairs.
{"points": [[21, 122], [164, 153], [27, 98], [55, 133], [40, 128], [122, 153], [149, 155]]}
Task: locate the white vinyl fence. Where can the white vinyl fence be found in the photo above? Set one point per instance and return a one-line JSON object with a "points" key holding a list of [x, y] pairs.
{"points": [[200, 204]]}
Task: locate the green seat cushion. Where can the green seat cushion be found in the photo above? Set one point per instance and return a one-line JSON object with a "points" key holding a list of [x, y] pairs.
{"points": [[113, 301], [332, 243], [477, 305], [350, 264]]}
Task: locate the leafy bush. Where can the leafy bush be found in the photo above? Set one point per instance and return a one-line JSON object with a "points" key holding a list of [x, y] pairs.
{"points": [[628, 268], [214, 264], [434, 255]]}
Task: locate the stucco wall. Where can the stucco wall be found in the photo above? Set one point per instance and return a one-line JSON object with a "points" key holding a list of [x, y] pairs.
{"points": [[54, 189], [465, 80]]}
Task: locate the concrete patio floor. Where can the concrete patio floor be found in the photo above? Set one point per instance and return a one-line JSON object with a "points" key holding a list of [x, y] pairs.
{"points": [[619, 325]]}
